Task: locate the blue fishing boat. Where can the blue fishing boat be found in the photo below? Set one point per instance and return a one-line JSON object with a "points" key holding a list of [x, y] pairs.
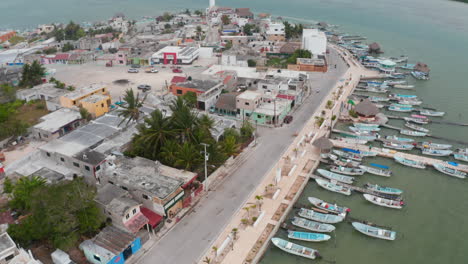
{"points": [[335, 176], [374, 231], [403, 96], [462, 157], [410, 163], [309, 237], [332, 208], [295, 249], [400, 109], [380, 170], [319, 217], [401, 105], [384, 190], [361, 153], [312, 225]]}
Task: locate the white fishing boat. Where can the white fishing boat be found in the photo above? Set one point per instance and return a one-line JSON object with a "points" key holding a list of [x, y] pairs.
{"points": [[398, 146], [348, 155], [431, 113], [384, 201], [449, 171], [410, 163], [400, 109], [416, 120], [436, 152], [413, 133], [352, 140], [336, 176], [374, 231], [295, 249], [381, 170], [399, 139], [416, 128], [343, 161], [403, 87], [312, 225], [383, 190], [365, 125], [462, 157], [347, 170], [364, 128], [333, 186], [320, 217], [433, 145], [309, 237], [410, 102], [329, 207]]}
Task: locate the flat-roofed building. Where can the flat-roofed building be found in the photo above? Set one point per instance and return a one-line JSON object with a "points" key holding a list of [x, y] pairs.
{"points": [[57, 124], [276, 31], [175, 55], [314, 41], [94, 98]]}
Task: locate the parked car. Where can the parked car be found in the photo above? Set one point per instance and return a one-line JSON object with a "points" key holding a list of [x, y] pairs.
{"points": [[133, 70], [135, 66], [152, 70], [144, 87], [176, 70]]}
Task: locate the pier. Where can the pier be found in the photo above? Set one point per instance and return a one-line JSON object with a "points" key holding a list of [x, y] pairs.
{"points": [[383, 152]]}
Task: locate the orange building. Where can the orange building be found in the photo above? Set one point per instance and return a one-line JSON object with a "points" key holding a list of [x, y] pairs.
{"points": [[6, 35], [309, 65]]}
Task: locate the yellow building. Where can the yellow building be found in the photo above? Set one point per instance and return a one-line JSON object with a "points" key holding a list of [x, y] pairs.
{"points": [[94, 98]]}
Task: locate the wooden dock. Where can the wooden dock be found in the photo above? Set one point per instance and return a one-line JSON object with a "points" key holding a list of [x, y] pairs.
{"points": [[383, 152]]}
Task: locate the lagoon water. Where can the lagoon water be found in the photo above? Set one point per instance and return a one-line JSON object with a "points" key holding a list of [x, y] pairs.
{"points": [[432, 228]]}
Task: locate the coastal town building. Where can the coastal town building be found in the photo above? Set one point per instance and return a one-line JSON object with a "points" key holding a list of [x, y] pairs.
{"points": [[244, 13], [11, 254], [226, 104], [247, 102], [45, 29], [95, 98], [207, 91], [314, 41], [276, 31], [10, 75], [310, 65], [47, 92], [56, 124], [6, 35], [175, 55]]}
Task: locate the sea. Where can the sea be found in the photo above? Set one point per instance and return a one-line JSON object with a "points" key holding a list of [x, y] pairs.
{"points": [[433, 226]]}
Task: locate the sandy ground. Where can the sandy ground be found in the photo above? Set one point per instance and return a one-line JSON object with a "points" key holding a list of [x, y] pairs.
{"points": [[85, 74], [21, 151]]}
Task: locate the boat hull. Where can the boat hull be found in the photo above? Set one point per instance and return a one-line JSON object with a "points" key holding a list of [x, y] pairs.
{"points": [[382, 201]]}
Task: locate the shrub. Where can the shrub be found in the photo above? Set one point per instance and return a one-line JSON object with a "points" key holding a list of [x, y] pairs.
{"points": [[333, 118], [353, 113]]}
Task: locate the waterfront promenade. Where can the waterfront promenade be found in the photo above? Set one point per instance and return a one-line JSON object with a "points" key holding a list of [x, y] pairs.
{"points": [[287, 177]]}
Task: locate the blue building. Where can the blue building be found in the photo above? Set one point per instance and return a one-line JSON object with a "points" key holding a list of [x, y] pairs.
{"points": [[110, 246]]}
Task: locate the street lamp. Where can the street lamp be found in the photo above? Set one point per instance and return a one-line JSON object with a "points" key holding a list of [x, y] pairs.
{"points": [[205, 157]]}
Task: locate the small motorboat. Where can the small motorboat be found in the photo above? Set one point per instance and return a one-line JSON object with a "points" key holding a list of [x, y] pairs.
{"points": [[433, 145], [295, 249], [417, 128], [377, 99], [462, 157], [374, 231], [309, 237], [395, 204], [420, 75], [403, 86], [381, 170], [403, 96], [431, 113], [364, 125], [436, 152], [384, 190], [400, 105], [332, 208], [347, 170], [400, 109], [462, 151], [363, 131], [333, 187], [416, 120], [399, 139], [320, 217], [364, 128], [352, 140], [398, 146], [348, 155], [412, 133], [336, 176], [410, 101], [450, 171], [342, 161], [312, 225], [410, 163]]}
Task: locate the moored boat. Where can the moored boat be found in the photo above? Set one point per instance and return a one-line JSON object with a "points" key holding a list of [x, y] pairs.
{"points": [[364, 125], [360, 153], [436, 152], [312, 225], [399, 139], [360, 131], [348, 155], [403, 96], [403, 87], [336, 176], [413, 133], [410, 101], [384, 190], [295, 249], [332, 208], [384, 201], [320, 217], [364, 128], [400, 105], [374, 231], [377, 99], [398, 146], [433, 145], [381, 170], [431, 113], [309, 237], [352, 140], [416, 120], [347, 170], [449, 171], [410, 163], [416, 128], [333, 187], [462, 157], [400, 109]]}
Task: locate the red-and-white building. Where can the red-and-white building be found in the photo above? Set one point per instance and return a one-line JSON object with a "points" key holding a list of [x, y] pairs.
{"points": [[175, 55]]}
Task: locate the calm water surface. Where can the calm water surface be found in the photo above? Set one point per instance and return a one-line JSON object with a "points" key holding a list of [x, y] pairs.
{"points": [[432, 227]]}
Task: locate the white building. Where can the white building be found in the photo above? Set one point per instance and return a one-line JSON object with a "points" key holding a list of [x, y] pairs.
{"points": [[276, 31], [175, 55], [314, 41], [212, 3]]}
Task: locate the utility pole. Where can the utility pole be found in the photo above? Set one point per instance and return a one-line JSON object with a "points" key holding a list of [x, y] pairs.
{"points": [[274, 112], [255, 133], [205, 156]]}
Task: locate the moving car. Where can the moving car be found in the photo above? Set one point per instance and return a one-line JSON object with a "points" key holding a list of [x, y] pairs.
{"points": [[133, 70], [144, 87]]}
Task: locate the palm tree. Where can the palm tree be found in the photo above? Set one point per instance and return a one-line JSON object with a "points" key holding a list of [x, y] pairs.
{"points": [[187, 156], [229, 146], [259, 199], [186, 122], [207, 260], [154, 132], [131, 108], [247, 209], [234, 233], [169, 152], [205, 122]]}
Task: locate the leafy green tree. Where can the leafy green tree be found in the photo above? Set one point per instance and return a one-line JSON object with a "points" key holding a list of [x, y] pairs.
{"points": [[229, 146], [167, 26], [246, 131], [187, 12], [198, 13], [154, 132], [50, 51], [167, 16], [247, 29], [169, 152], [32, 74], [8, 91], [67, 47], [188, 156], [251, 63], [225, 20], [228, 45], [131, 108], [85, 114], [22, 192], [299, 53], [73, 31], [232, 132]]}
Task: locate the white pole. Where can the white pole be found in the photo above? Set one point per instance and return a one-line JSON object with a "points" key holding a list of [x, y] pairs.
{"points": [[206, 171]]}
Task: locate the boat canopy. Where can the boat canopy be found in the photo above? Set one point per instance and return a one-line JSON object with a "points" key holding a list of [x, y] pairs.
{"points": [[452, 163], [379, 166], [351, 150]]}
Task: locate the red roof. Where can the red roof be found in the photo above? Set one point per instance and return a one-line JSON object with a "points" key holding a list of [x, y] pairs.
{"points": [[227, 79], [61, 56], [189, 40], [284, 96], [154, 218], [178, 79], [136, 222]]}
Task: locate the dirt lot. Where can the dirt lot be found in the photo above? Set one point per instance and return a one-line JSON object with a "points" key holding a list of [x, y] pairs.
{"points": [[85, 74]]}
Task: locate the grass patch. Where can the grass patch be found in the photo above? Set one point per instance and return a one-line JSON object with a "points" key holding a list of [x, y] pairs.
{"points": [[31, 113]]}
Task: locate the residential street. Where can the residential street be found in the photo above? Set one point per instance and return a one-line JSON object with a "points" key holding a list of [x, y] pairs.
{"points": [[190, 238]]}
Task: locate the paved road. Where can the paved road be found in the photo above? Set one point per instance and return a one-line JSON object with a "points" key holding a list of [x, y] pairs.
{"points": [[190, 238]]}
